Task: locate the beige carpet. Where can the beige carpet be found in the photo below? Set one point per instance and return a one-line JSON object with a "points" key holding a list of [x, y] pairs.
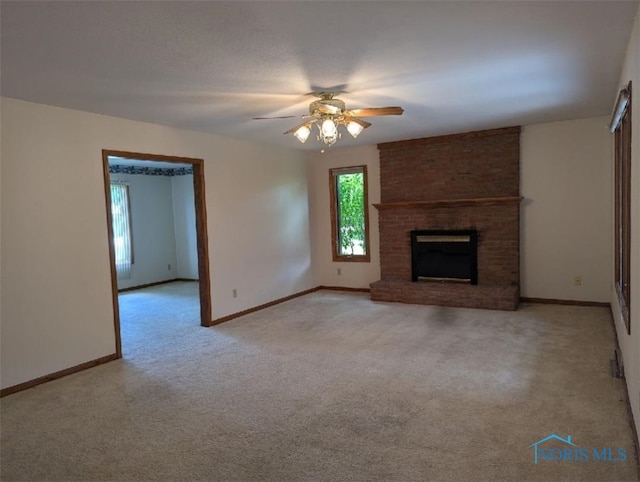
{"points": [[330, 386]]}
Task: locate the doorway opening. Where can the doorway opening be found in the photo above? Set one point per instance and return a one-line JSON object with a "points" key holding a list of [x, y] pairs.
{"points": [[190, 261]]}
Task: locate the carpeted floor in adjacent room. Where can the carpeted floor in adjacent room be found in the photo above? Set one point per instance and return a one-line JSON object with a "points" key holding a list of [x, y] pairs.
{"points": [[329, 386]]}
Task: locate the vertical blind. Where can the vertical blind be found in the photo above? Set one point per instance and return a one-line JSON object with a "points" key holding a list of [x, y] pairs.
{"points": [[121, 230]]}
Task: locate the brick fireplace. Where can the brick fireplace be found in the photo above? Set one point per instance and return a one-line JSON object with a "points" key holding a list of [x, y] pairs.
{"points": [[461, 182]]}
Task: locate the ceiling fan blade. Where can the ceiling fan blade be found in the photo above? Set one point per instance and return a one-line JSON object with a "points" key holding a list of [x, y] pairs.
{"points": [[293, 129], [375, 111]]}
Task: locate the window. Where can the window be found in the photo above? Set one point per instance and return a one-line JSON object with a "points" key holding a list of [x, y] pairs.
{"points": [[621, 128], [349, 214], [121, 220]]}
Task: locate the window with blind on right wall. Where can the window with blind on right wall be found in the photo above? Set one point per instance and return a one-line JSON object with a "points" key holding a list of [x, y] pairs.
{"points": [[621, 129]]}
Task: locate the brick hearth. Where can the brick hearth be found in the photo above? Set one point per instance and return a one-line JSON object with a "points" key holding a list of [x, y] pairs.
{"points": [[463, 181]]}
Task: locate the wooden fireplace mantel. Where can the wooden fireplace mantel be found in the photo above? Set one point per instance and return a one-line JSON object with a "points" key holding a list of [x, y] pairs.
{"points": [[443, 203]]}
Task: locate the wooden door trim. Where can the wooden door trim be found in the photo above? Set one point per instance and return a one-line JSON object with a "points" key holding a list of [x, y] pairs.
{"points": [[201, 231]]}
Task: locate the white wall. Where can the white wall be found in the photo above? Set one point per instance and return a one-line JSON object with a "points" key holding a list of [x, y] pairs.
{"points": [[152, 226], [354, 274], [56, 287], [184, 217], [630, 343], [566, 218]]}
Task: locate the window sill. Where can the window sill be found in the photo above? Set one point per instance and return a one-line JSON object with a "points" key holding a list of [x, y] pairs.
{"points": [[352, 259]]}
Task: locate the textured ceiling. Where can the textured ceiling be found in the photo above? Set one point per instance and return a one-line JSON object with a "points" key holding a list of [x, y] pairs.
{"points": [[211, 66]]}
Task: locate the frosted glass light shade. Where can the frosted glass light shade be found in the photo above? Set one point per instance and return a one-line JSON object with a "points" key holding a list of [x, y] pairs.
{"points": [[329, 128], [329, 132], [354, 129], [302, 133]]}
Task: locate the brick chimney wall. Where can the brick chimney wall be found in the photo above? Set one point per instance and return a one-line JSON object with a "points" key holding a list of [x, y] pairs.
{"points": [[461, 181]]}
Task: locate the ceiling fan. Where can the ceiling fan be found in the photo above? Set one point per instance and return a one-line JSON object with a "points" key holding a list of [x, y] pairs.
{"points": [[328, 112]]}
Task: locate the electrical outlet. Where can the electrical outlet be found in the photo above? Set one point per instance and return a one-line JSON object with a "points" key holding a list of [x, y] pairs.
{"points": [[577, 281], [339, 271], [235, 293]]}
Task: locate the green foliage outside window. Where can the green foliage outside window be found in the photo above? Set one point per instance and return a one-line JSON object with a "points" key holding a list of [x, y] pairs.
{"points": [[351, 214]]}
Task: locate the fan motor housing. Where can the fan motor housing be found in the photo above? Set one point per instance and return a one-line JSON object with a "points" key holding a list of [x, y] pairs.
{"points": [[327, 106]]}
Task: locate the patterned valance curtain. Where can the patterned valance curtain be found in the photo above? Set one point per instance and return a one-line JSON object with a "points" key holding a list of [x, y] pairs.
{"points": [[121, 230]]}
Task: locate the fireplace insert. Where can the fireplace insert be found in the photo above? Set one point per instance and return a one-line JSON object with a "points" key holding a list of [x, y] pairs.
{"points": [[445, 256]]}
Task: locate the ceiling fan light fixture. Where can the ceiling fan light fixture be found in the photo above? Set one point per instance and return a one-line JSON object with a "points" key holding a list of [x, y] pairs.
{"points": [[354, 128], [328, 114], [302, 133]]}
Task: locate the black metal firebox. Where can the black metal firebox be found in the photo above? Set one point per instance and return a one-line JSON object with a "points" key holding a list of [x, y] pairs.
{"points": [[445, 256]]}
